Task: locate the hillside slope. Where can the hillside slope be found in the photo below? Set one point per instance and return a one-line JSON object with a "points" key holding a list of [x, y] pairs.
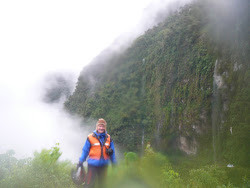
{"points": [[183, 85]]}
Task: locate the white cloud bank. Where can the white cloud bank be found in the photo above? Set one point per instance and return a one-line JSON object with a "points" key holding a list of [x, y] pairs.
{"points": [[37, 37]]}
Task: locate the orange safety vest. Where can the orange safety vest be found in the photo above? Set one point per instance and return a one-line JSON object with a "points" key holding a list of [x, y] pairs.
{"points": [[97, 151]]}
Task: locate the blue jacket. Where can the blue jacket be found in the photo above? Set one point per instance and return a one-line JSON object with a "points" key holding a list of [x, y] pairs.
{"points": [[95, 162]]}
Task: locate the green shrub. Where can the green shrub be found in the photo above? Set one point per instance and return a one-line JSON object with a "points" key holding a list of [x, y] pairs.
{"points": [[208, 176], [151, 170], [44, 170]]}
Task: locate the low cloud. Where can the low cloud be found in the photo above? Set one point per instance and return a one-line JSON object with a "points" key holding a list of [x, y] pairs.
{"points": [[56, 36], [36, 125]]}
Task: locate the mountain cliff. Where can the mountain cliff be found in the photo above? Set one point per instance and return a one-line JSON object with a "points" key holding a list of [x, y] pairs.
{"points": [[183, 85]]}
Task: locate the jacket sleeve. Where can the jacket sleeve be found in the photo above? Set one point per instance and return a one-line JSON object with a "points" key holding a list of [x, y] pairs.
{"points": [[85, 151], [112, 157]]}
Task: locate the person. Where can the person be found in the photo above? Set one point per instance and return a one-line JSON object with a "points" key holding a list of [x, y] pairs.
{"points": [[100, 148]]}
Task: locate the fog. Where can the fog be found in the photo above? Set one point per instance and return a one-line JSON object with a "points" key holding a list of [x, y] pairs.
{"points": [[227, 18], [38, 38]]}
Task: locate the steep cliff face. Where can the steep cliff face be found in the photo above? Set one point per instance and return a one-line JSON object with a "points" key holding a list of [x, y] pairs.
{"points": [[183, 85]]}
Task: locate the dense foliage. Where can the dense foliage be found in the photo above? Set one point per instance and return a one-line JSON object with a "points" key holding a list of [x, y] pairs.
{"points": [[183, 85], [43, 170], [150, 171]]}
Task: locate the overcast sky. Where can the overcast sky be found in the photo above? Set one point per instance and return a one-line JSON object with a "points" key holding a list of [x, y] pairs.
{"points": [[37, 37]]}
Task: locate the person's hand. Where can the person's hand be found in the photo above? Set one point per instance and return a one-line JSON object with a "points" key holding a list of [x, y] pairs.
{"points": [[80, 164]]}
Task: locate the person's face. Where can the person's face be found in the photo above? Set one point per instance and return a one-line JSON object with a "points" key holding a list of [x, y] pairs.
{"points": [[100, 128]]}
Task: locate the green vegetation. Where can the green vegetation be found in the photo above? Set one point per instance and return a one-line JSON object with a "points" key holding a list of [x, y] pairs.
{"points": [[165, 90], [152, 170], [43, 170], [162, 88]]}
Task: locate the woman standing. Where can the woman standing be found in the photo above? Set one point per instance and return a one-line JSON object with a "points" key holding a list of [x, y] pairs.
{"points": [[100, 149]]}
